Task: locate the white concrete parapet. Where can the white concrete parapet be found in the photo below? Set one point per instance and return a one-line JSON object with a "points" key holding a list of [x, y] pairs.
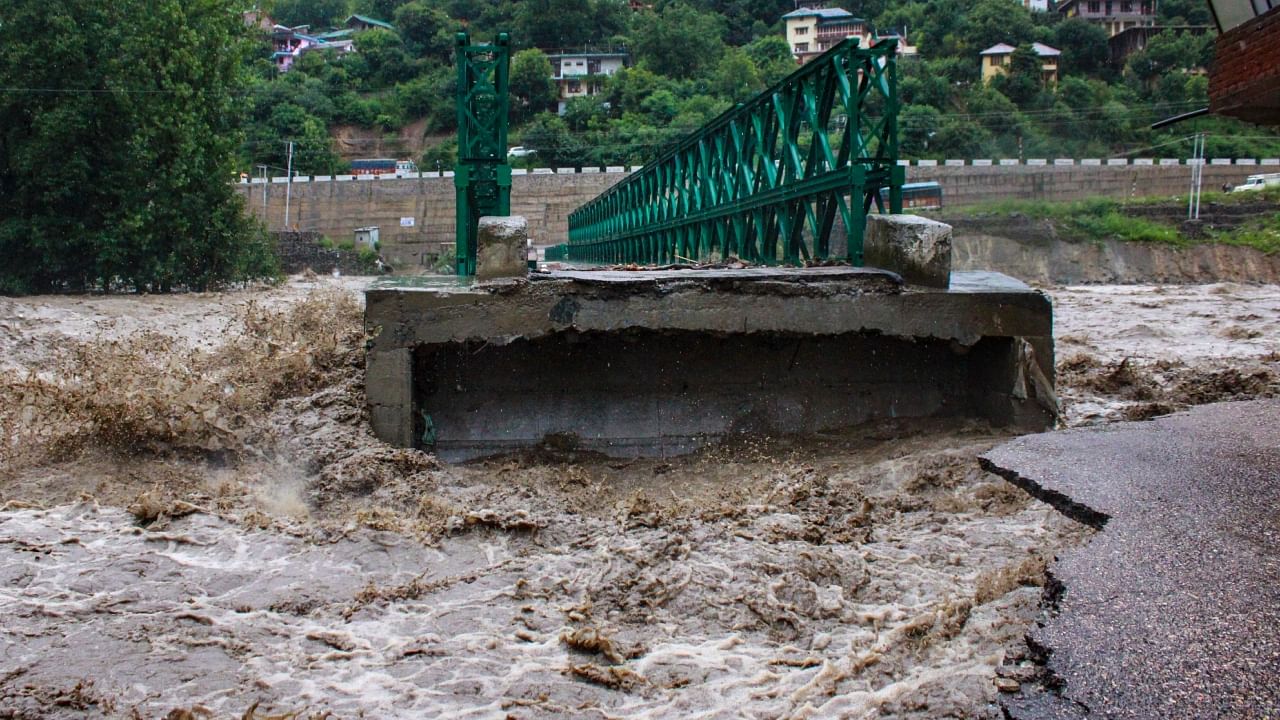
{"points": [[519, 171], [1170, 161], [279, 180], [1006, 162], [543, 171], [982, 163], [926, 163], [344, 178], [1220, 161], [1037, 161], [636, 168], [1117, 161], [954, 163], [1246, 161], [323, 178], [1269, 161], [1063, 161], [588, 170], [447, 173], [366, 177], [1086, 161], [565, 171], [1144, 161], [904, 163], [615, 169]]}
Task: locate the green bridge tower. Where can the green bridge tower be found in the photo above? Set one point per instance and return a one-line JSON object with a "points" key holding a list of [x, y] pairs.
{"points": [[482, 177]]}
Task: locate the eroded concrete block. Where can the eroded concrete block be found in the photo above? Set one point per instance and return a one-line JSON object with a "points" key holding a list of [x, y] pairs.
{"points": [[918, 249], [501, 248]]}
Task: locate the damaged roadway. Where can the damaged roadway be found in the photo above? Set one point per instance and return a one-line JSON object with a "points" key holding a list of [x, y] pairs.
{"points": [[1172, 610]]}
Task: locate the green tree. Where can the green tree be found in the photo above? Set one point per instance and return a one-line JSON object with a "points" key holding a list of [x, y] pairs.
{"points": [[772, 58], [555, 23], [1024, 79], [1083, 45], [116, 173], [917, 126], [681, 42], [316, 13], [380, 58], [531, 84], [427, 31], [736, 77], [994, 21]]}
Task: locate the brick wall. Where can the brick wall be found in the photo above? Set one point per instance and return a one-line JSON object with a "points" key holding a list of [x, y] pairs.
{"points": [[1245, 80], [335, 208]]}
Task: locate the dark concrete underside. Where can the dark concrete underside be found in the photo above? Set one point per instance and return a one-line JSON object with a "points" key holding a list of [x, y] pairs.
{"points": [[655, 363], [1173, 610], [650, 392]]}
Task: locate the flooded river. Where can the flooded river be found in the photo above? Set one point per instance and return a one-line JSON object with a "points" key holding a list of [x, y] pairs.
{"points": [[197, 523]]}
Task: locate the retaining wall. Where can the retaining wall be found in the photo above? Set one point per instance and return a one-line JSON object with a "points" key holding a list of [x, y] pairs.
{"points": [[336, 206]]}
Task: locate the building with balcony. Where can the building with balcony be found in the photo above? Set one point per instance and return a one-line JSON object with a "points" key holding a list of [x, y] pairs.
{"points": [[289, 43], [1245, 80], [1135, 39], [812, 30], [1115, 16], [995, 61], [582, 74]]}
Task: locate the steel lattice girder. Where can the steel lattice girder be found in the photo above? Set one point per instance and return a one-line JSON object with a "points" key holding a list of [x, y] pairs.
{"points": [[766, 180], [482, 177]]}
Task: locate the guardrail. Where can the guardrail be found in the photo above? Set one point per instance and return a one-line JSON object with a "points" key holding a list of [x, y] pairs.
{"points": [[1261, 163]]}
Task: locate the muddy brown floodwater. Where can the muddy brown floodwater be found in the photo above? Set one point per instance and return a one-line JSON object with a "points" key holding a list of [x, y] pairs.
{"points": [[197, 523]]}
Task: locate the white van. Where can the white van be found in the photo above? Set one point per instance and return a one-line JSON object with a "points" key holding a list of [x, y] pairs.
{"points": [[1258, 182]]}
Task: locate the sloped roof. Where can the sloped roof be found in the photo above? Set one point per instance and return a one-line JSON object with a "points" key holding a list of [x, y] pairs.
{"points": [[824, 13], [370, 21], [1006, 49], [998, 49]]}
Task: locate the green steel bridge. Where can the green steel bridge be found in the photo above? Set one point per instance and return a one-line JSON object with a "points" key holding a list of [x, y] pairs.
{"points": [[768, 179], [766, 182]]}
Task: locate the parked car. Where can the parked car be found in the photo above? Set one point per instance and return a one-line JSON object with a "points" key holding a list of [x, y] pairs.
{"points": [[520, 151], [1258, 182]]}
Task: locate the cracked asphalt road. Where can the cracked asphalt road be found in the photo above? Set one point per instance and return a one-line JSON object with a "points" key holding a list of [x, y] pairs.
{"points": [[1173, 610]]}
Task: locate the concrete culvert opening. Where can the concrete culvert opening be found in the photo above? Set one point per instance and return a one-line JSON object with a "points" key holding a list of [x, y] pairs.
{"points": [[644, 392]]}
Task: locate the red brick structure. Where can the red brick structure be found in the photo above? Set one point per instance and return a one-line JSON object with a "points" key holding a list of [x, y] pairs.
{"points": [[1245, 81]]}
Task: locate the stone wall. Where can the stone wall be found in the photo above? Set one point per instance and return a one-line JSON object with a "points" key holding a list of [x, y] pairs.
{"points": [[335, 207]]}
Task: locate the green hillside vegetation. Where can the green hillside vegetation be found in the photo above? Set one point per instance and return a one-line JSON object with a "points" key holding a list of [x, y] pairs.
{"points": [[693, 59]]}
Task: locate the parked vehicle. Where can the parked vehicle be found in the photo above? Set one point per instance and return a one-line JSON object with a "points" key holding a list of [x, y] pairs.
{"points": [[917, 196], [520, 151], [373, 166], [406, 166], [1258, 182]]}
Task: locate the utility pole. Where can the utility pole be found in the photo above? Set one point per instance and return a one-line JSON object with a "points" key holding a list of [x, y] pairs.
{"points": [[1197, 176], [288, 186], [265, 183]]}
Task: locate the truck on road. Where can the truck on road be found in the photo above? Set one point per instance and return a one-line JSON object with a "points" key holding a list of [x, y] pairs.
{"points": [[1258, 182]]}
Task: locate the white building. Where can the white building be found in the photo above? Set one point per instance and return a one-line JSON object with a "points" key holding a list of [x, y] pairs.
{"points": [[583, 74]]}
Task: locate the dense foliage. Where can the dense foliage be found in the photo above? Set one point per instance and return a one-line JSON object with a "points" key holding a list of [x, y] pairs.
{"points": [[692, 59], [118, 134]]}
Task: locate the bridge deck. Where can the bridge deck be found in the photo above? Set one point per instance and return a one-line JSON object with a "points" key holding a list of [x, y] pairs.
{"points": [[661, 362]]}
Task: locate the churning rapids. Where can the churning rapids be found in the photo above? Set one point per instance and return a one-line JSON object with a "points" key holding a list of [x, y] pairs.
{"points": [[197, 523]]}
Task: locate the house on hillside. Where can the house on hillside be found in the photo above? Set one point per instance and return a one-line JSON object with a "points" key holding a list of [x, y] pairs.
{"points": [[1115, 16], [1135, 39], [995, 61], [358, 23], [1036, 5], [582, 74], [1245, 80], [289, 43], [812, 29]]}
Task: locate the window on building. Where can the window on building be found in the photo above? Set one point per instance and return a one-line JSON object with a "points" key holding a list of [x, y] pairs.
{"points": [[1126, 6], [802, 30], [802, 47], [575, 86], [1095, 6]]}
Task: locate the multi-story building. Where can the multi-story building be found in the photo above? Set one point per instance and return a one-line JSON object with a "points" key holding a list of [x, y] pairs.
{"points": [[1135, 39], [995, 61], [1115, 16], [813, 29], [289, 43], [582, 74]]}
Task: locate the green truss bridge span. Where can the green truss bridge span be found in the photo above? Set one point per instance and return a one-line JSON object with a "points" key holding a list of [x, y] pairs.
{"points": [[768, 180]]}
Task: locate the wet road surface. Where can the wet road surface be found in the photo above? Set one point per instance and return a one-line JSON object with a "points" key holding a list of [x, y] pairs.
{"points": [[1173, 610]]}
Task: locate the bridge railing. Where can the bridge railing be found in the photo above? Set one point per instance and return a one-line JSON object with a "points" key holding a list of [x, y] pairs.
{"points": [[767, 180]]}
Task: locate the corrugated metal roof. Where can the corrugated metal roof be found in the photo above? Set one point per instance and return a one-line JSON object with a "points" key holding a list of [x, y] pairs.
{"points": [[825, 13]]}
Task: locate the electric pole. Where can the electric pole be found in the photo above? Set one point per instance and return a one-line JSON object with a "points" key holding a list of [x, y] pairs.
{"points": [[288, 185]]}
